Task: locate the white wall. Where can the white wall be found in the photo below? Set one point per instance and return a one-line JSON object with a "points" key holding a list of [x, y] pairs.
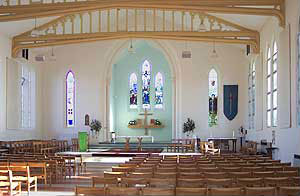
{"points": [[287, 132], [88, 61], [5, 134]]}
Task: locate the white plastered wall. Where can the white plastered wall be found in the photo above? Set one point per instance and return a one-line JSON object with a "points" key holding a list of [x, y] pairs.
{"points": [[287, 133], [13, 134]]}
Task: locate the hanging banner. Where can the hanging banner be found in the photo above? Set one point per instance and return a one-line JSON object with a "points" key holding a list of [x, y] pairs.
{"points": [[83, 141], [230, 101]]}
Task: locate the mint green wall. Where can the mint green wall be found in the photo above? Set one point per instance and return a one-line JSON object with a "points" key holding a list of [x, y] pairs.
{"points": [[121, 113]]}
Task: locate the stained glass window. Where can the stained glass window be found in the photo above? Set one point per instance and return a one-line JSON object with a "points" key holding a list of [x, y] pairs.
{"points": [[272, 77], [213, 98], [251, 95], [70, 99], [25, 97], [133, 91], [146, 79], [159, 90]]}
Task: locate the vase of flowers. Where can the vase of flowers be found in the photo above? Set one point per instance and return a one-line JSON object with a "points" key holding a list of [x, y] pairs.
{"points": [[95, 127], [188, 127]]}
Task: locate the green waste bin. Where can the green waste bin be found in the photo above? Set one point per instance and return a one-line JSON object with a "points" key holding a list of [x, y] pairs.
{"points": [[83, 141]]}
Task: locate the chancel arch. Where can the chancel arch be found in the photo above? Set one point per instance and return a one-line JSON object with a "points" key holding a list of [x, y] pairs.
{"points": [[159, 65]]}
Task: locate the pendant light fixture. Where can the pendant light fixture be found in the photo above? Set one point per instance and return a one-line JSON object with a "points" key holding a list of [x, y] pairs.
{"points": [[202, 26], [35, 32], [186, 54], [131, 49], [214, 54], [52, 56]]}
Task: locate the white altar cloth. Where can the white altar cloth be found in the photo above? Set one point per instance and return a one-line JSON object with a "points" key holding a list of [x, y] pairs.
{"points": [[142, 136]]}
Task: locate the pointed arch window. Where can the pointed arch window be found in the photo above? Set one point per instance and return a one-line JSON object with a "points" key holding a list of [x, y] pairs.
{"points": [[272, 93], [146, 79], [159, 91], [213, 98], [26, 98], [70, 99], [251, 95], [133, 88]]}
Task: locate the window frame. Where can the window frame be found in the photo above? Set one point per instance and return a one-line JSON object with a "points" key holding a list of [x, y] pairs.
{"points": [[252, 94], [142, 85], [74, 99], [29, 92], [163, 82], [129, 84], [218, 92], [272, 91]]}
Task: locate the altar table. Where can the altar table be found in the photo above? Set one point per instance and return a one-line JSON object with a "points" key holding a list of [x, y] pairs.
{"points": [[224, 139], [143, 136]]}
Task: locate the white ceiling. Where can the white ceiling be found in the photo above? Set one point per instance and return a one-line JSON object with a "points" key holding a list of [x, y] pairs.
{"points": [[11, 29], [248, 21]]}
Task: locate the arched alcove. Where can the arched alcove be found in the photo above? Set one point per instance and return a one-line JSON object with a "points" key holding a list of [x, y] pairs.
{"points": [[119, 91]]}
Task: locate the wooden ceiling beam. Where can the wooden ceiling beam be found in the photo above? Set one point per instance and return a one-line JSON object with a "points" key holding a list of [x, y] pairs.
{"points": [[237, 34], [17, 46], [22, 12]]}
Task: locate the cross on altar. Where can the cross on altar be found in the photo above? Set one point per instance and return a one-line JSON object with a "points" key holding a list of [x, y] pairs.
{"points": [[146, 114]]}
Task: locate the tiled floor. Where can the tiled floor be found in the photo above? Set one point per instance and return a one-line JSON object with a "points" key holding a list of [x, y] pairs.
{"points": [[95, 167]]}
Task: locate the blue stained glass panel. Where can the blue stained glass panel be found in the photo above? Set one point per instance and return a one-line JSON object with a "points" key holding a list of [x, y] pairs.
{"points": [[159, 91], [133, 88], [70, 99], [146, 79]]}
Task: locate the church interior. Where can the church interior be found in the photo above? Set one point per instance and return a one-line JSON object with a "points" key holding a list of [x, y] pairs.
{"points": [[152, 97]]}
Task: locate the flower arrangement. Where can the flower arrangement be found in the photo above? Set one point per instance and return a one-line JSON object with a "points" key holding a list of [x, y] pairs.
{"points": [[132, 122], [157, 122], [188, 126], [95, 126]]}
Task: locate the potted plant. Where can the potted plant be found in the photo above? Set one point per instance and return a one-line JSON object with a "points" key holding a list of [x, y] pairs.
{"points": [[188, 127], [95, 126]]}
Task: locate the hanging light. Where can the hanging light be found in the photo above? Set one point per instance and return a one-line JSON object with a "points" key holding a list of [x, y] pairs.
{"points": [[186, 54], [214, 54], [35, 32], [131, 49], [52, 56], [202, 26]]}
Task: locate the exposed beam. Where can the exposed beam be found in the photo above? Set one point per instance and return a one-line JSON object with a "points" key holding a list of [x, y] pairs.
{"points": [[64, 31], [149, 33], [17, 47], [244, 7]]}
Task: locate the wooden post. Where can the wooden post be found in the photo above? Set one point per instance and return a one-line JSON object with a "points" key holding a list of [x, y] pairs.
{"points": [[173, 20], [127, 145], [135, 20], [182, 21], [117, 19], [145, 19], [99, 22], [91, 22], [154, 20], [108, 20], [126, 28], [139, 148], [164, 22], [81, 26]]}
